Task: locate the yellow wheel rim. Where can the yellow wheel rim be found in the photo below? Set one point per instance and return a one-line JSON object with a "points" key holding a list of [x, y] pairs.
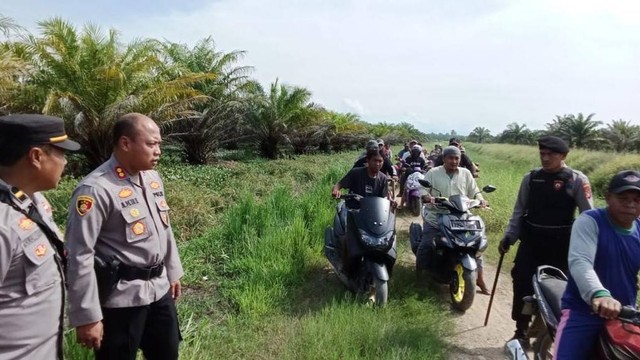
{"points": [[458, 293]]}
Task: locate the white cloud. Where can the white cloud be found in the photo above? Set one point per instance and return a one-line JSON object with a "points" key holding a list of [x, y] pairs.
{"points": [[455, 65]]}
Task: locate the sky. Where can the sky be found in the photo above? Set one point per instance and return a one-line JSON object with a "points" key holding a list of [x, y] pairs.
{"points": [[439, 65]]}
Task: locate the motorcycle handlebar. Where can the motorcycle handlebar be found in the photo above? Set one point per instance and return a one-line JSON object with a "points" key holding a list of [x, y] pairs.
{"points": [[629, 314]]}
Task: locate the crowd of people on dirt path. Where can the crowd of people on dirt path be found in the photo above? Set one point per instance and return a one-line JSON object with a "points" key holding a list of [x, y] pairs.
{"points": [[600, 250], [120, 270]]}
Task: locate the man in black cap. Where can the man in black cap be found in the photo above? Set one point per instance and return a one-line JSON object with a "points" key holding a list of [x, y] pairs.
{"points": [[32, 149], [542, 219], [604, 260]]}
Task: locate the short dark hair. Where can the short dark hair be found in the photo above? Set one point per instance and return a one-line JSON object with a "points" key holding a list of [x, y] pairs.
{"points": [[126, 125], [12, 151], [372, 153]]}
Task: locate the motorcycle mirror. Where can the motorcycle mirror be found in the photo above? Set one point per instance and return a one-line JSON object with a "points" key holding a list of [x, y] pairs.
{"points": [[489, 188], [424, 183]]}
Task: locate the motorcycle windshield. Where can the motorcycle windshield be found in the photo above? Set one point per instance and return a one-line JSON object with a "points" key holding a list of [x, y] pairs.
{"points": [[375, 216], [459, 202]]}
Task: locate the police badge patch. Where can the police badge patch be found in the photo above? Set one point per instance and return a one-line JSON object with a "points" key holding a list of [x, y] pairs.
{"points": [[41, 250], [125, 193], [26, 223], [138, 228], [557, 185], [84, 204]]}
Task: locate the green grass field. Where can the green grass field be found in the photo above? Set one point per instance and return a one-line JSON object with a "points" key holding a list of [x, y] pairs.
{"points": [[257, 285]]}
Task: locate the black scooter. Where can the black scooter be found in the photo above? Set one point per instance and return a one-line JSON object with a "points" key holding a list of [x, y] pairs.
{"points": [[361, 245], [462, 237]]}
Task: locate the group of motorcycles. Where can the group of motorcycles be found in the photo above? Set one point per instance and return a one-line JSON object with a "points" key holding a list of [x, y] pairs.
{"points": [[361, 245], [362, 248]]}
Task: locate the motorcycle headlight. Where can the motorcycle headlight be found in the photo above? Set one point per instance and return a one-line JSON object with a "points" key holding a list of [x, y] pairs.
{"points": [[374, 241]]}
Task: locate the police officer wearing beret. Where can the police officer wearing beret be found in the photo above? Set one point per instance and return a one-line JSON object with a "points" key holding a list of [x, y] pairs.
{"points": [[32, 158], [119, 216], [542, 218]]}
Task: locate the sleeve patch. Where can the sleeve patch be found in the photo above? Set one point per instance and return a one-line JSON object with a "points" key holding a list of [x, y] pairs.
{"points": [[84, 204]]}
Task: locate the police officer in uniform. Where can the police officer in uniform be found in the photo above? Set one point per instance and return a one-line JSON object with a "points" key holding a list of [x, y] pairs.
{"points": [[32, 149], [119, 216], [542, 219]]}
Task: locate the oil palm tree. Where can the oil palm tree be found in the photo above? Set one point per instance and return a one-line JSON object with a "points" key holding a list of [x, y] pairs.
{"points": [[516, 134], [622, 136], [480, 134], [272, 114], [578, 130], [88, 78], [215, 122]]}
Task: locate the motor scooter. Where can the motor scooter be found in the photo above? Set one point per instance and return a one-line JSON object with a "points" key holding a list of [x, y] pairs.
{"points": [[361, 245], [412, 190], [461, 239], [619, 340]]}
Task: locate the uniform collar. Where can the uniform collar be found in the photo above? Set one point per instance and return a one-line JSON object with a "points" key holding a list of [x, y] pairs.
{"points": [[119, 172]]}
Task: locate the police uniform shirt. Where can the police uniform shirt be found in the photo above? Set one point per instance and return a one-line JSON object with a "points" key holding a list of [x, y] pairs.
{"points": [[578, 188], [112, 215], [30, 282]]}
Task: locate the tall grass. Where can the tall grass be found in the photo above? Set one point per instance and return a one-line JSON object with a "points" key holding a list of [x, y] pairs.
{"points": [[257, 285]]}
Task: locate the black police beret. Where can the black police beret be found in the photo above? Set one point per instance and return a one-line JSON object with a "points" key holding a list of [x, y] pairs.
{"points": [[35, 129], [554, 144]]}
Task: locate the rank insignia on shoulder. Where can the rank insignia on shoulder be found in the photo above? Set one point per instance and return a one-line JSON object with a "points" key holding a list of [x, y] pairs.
{"points": [[84, 204], [134, 212], [40, 250], [125, 193], [120, 173], [19, 194], [154, 185], [138, 228], [26, 223]]}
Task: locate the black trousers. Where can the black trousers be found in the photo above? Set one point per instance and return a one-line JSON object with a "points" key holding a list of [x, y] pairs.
{"points": [[152, 328], [536, 248]]}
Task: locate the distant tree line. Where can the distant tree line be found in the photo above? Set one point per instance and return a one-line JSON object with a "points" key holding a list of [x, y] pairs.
{"points": [[204, 100], [580, 132]]}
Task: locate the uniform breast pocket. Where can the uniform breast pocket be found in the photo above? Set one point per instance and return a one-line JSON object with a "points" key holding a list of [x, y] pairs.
{"points": [[137, 225], [40, 267], [163, 210]]}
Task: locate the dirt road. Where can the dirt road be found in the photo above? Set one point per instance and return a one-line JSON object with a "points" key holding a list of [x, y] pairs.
{"points": [[471, 340]]}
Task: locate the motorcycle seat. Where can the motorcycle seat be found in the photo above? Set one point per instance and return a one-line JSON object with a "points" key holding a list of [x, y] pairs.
{"points": [[552, 290]]}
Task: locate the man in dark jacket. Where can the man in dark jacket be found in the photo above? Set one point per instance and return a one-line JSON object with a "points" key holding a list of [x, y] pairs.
{"points": [[542, 219]]}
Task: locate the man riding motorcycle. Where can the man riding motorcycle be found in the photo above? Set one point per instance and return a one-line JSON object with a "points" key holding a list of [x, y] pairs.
{"points": [[448, 179], [415, 160]]}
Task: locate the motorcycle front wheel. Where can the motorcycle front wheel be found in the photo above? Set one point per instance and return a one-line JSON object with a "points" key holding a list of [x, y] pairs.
{"points": [[462, 287], [414, 206], [379, 292]]}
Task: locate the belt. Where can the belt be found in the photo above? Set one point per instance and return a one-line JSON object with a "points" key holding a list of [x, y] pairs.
{"points": [[126, 272]]}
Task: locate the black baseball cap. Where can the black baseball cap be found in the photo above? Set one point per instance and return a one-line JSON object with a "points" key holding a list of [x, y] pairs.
{"points": [[35, 129], [625, 180]]}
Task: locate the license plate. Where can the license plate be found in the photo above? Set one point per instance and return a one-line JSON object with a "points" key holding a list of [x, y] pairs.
{"points": [[465, 225]]}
